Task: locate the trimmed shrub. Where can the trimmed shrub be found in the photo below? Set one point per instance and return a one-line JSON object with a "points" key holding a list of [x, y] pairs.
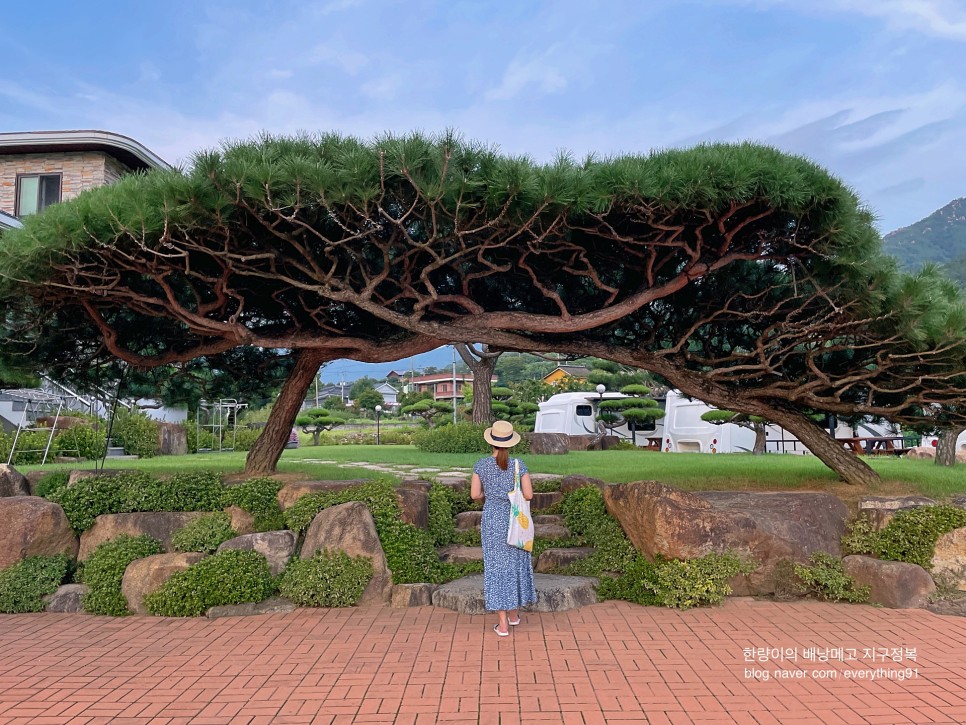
{"points": [[201, 491], [228, 577], [198, 439], [24, 585], [95, 495], [326, 580], [259, 497], [459, 438], [442, 504], [104, 569], [30, 447], [244, 438], [587, 519], [637, 583], [826, 578], [410, 553], [204, 534], [136, 432], [84, 441], [910, 536], [52, 483]]}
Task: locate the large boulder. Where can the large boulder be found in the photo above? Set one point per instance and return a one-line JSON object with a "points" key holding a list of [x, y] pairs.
{"points": [[172, 439], [276, 546], [459, 554], [33, 526], [879, 510], [158, 525], [349, 527], [412, 595], [76, 476], [949, 560], [12, 482], [921, 453], [68, 599], [767, 527], [292, 492], [893, 584], [549, 444], [242, 522], [469, 519], [145, 576]]}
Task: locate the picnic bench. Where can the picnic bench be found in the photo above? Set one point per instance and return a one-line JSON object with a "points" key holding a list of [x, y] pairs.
{"points": [[875, 445]]}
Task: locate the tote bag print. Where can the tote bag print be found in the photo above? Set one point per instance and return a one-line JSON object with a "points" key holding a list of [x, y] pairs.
{"points": [[520, 533]]}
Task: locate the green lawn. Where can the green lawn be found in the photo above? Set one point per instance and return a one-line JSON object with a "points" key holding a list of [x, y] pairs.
{"points": [[683, 470]]}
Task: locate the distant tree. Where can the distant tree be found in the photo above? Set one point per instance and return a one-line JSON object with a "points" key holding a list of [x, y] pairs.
{"points": [[316, 421], [368, 399], [333, 403], [429, 410], [634, 410], [752, 422], [361, 385], [405, 399], [482, 362]]}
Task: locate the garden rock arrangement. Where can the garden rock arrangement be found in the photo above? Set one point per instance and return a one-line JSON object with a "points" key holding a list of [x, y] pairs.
{"points": [[339, 543]]}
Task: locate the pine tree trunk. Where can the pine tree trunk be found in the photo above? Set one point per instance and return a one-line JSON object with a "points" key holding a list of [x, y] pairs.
{"points": [[482, 369], [946, 447], [761, 439], [267, 449], [846, 464]]}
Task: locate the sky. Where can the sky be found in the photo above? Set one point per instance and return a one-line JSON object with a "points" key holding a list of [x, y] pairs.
{"points": [[874, 90]]}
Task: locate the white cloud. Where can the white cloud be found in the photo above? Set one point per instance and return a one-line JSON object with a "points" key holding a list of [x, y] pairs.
{"points": [[534, 74]]}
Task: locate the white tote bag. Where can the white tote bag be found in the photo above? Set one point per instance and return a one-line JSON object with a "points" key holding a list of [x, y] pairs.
{"points": [[520, 532]]}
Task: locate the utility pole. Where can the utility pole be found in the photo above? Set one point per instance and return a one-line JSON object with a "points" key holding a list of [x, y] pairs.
{"points": [[454, 384]]}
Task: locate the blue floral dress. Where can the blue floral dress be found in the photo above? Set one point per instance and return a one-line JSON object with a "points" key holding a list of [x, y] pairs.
{"points": [[507, 571]]}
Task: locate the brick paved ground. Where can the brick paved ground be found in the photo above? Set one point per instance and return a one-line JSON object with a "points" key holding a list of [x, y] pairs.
{"points": [[610, 662]]}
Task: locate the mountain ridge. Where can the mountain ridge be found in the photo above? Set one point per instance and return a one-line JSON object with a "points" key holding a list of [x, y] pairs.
{"points": [[939, 238]]}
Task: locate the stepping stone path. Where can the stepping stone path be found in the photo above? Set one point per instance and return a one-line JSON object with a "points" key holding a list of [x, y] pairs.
{"points": [[554, 594]]}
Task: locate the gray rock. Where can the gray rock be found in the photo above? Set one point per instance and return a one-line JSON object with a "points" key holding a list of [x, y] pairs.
{"points": [[879, 510], [275, 605], [68, 599], [413, 505], [412, 595], [456, 554], [145, 576], [552, 559], [349, 527], [12, 482], [550, 531], [292, 492], [948, 607], [894, 584], [277, 547], [469, 519], [959, 501], [555, 519], [172, 439], [549, 444], [76, 476], [554, 594]]}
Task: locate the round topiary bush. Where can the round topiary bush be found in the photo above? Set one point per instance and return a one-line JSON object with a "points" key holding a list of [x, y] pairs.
{"points": [[326, 580], [228, 577]]}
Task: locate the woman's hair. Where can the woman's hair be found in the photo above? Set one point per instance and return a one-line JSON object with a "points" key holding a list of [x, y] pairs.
{"points": [[502, 457]]}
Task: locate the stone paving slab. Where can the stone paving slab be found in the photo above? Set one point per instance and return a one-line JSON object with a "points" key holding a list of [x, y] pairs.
{"points": [[610, 662]]}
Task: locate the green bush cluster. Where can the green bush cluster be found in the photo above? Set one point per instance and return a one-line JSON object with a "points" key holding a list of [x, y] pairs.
{"points": [[326, 580], [52, 482], [30, 447], [826, 578], [410, 552], [910, 536], [84, 441], [587, 518], [204, 534], [390, 437], [459, 438], [198, 439], [103, 572], [24, 585], [443, 501], [676, 583], [228, 577], [259, 497], [137, 491], [243, 439], [136, 432]]}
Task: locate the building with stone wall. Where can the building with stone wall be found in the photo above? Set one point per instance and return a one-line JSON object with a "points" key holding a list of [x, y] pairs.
{"points": [[40, 168]]}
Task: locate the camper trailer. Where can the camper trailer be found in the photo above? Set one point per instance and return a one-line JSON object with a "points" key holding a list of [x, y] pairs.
{"points": [[575, 414], [682, 430]]}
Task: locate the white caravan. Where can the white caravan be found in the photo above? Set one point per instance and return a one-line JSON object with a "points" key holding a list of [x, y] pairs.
{"points": [[575, 414]]}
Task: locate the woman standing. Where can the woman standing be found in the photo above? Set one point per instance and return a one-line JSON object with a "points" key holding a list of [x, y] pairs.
{"points": [[507, 571]]}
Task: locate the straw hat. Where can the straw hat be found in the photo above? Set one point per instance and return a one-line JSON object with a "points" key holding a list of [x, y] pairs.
{"points": [[501, 435]]}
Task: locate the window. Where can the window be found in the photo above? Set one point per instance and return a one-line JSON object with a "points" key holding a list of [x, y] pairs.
{"points": [[583, 410], [35, 192]]}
